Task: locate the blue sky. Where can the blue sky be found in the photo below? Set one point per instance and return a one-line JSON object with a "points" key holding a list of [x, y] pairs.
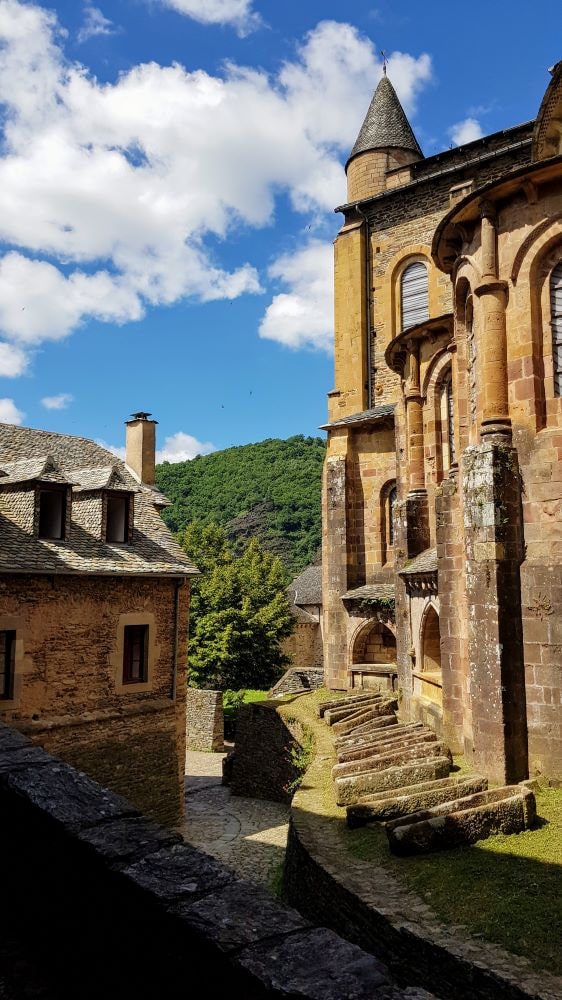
{"points": [[168, 171]]}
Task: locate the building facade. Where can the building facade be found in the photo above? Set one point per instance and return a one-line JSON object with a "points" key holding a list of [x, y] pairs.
{"points": [[94, 600], [442, 545]]}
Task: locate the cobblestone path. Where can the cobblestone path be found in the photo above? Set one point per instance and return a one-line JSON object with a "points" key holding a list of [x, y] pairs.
{"points": [[247, 835]]}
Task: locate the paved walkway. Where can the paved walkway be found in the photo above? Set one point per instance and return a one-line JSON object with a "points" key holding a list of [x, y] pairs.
{"points": [[248, 835]]}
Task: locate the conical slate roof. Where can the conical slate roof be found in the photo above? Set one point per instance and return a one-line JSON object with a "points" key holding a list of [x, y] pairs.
{"points": [[385, 123]]}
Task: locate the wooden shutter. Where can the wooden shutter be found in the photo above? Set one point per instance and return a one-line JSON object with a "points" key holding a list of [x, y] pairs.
{"points": [[556, 322], [414, 295]]}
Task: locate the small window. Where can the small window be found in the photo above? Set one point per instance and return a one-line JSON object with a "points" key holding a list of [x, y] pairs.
{"points": [[117, 523], [52, 513], [414, 295], [447, 415], [135, 654], [7, 662], [556, 322]]}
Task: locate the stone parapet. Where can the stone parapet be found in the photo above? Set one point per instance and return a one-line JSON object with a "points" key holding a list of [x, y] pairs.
{"points": [[204, 720]]}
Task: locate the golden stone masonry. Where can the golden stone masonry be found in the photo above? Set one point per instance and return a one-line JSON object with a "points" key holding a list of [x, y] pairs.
{"points": [[442, 527]]}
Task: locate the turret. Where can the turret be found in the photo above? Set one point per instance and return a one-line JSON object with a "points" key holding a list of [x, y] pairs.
{"points": [[385, 141]]}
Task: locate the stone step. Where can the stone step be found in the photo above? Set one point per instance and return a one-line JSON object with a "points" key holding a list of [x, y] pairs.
{"points": [[385, 722], [350, 740], [332, 715], [499, 810], [405, 801], [324, 706], [387, 707], [350, 789], [381, 761], [386, 745]]}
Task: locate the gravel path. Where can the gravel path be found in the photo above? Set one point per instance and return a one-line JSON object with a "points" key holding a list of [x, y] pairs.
{"points": [[247, 835]]}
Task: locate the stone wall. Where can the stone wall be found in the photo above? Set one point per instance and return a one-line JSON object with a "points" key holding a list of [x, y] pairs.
{"points": [[106, 903], [69, 694], [204, 720], [295, 681], [304, 646], [262, 767]]}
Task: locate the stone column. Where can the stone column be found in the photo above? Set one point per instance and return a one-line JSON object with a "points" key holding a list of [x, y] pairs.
{"points": [[493, 529], [416, 509], [334, 569], [493, 295]]}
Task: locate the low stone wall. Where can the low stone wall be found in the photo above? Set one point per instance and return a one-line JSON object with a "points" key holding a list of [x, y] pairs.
{"points": [[372, 909], [110, 904], [204, 720], [261, 766], [304, 645]]}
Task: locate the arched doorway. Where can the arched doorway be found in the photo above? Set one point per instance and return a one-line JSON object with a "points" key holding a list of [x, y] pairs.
{"points": [[432, 680]]}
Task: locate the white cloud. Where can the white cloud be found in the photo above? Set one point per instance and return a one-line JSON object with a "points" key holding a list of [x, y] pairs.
{"points": [[13, 361], [303, 316], [95, 23], [118, 450], [182, 447], [466, 131], [109, 191], [238, 13], [59, 402], [9, 413]]}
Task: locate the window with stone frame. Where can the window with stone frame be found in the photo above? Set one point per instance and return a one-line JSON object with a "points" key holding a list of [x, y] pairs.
{"points": [[135, 654], [389, 499], [447, 422], [414, 295], [52, 512], [117, 511], [7, 663], [556, 325]]}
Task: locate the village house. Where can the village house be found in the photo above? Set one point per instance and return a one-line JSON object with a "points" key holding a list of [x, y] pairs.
{"points": [[442, 551], [94, 600]]}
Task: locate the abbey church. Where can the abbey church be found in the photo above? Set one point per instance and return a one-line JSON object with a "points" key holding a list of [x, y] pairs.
{"points": [[442, 549]]}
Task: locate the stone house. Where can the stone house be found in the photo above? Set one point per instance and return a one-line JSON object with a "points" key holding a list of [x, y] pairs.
{"points": [[305, 645], [94, 599], [442, 533]]}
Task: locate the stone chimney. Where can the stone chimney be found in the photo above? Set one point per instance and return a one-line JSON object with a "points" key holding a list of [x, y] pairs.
{"points": [[140, 452]]}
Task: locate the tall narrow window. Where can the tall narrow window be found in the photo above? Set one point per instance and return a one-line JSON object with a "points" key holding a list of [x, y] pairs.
{"points": [[471, 350], [556, 321], [446, 434], [7, 662], [414, 295], [135, 654], [52, 512], [392, 500], [117, 523], [450, 420]]}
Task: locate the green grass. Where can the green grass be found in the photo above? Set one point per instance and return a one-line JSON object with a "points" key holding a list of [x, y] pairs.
{"points": [[507, 889]]}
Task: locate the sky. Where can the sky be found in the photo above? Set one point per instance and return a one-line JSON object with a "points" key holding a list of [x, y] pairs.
{"points": [[168, 174]]}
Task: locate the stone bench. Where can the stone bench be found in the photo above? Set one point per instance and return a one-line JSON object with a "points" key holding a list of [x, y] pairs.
{"points": [[386, 707], [499, 810], [385, 759], [413, 798], [397, 741], [350, 789]]}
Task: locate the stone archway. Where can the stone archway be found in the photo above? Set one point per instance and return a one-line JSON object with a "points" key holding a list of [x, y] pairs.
{"points": [[431, 676], [373, 656]]}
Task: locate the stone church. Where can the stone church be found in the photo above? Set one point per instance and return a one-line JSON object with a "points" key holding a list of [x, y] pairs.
{"points": [[442, 548]]}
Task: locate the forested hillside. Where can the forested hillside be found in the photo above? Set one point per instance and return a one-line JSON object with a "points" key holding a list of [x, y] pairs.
{"points": [[269, 490]]}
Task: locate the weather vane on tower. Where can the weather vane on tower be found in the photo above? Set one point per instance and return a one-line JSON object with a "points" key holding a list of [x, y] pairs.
{"points": [[383, 54]]}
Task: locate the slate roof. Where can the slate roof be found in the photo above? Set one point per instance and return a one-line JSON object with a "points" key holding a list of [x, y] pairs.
{"points": [[306, 588], [385, 123], [371, 592], [372, 416], [28, 455], [426, 562]]}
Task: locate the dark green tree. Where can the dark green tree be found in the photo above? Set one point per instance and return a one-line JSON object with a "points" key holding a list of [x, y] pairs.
{"points": [[239, 612]]}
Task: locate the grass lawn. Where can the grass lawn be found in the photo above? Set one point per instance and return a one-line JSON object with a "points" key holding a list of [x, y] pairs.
{"points": [[507, 889]]}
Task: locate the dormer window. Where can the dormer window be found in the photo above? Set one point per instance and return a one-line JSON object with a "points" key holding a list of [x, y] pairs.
{"points": [[117, 517], [52, 512]]}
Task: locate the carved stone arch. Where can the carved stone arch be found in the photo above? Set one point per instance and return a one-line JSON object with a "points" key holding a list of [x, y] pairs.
{"points": [[463, 267], [387, 503], [537, 235], [440, 426], [547, 134], [373, 638], [430, 685], [440, 360], [543, 253]]}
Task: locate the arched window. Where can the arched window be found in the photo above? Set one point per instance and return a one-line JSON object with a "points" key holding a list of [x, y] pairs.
{"points": [[556, 323], [414, 295], [391, 504], [471, 351], [447, 422]]}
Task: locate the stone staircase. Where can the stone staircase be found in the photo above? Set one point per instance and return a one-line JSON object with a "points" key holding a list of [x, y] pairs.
{"points": [[399, 774]]}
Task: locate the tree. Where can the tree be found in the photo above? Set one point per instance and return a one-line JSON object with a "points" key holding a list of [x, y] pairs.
{"points": [[239, 612]]}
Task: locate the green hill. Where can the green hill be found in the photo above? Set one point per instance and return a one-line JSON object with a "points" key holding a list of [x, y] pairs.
{"points": [[269, 490]]}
